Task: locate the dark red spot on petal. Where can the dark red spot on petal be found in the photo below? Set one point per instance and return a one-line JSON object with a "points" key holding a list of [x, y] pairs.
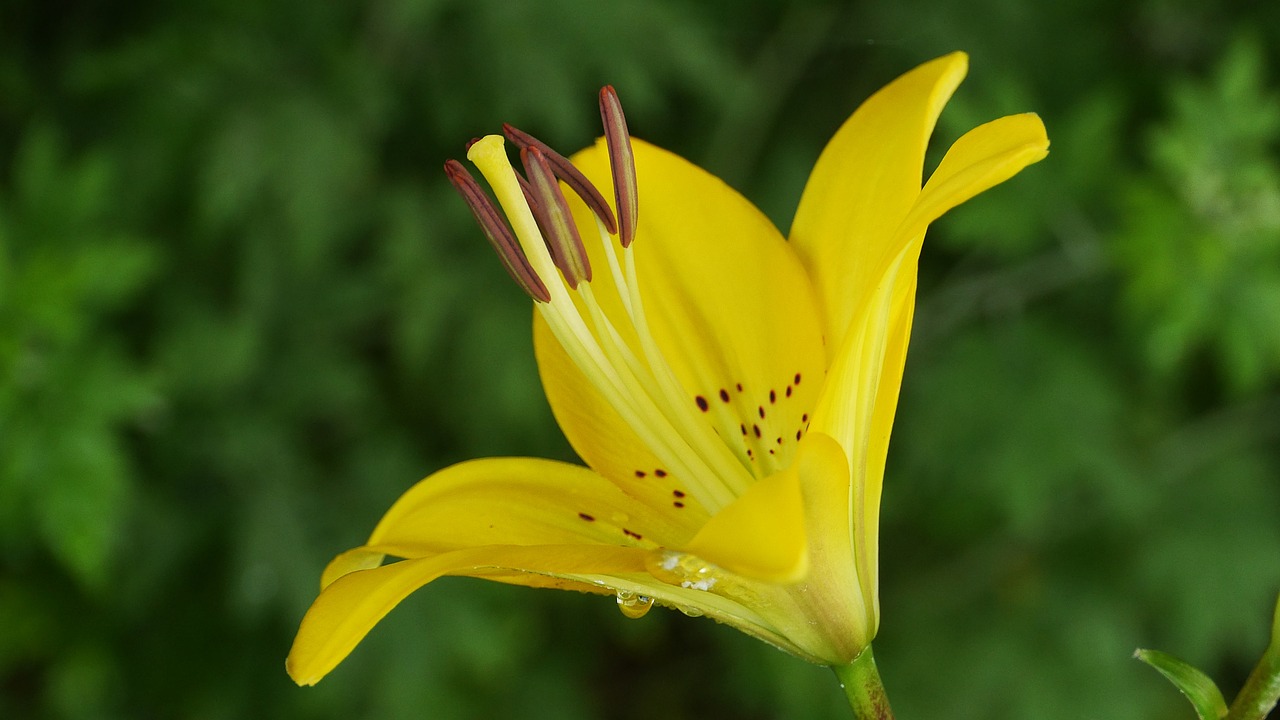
{"points": [[773, 397], [788, 391], [771, 451], [677, 503], [660, 472], [702, 403], [586, 517], [796, 381], [640, 473], [678, 493], [804, 418], [761, 409], [798, 434], [724, 395], [739, 386], [756, 429], [743, 427], [635, 535], [779, 441]]}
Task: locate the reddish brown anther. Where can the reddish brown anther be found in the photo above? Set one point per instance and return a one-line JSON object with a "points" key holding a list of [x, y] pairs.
{"points": [[622, 162], [495, 228], [565, 170], [558, 227]]}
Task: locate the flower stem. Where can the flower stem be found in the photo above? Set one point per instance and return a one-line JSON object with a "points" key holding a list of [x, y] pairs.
{"points": [[862, 686], [1262, 689]]}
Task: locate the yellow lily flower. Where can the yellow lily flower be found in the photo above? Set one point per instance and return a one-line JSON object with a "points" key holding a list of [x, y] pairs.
{"points": [[731, 391]]}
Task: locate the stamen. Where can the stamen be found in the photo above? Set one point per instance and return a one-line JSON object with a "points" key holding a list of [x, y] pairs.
{"points": [[642, 389], [565, 170], [495, 228], [561, 232], [622, 161]]}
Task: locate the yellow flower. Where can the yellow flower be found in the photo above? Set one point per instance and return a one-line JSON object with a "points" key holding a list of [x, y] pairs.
{"points": [[731, 391]]}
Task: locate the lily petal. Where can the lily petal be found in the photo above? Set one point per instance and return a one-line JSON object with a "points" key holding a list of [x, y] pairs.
{"points": [[519, 501], [984, 157], [731, 313], [604, 440], [859, 400], [864, 183], [762, 534], [348, 608], [981, 159], [833, 590], [902, 305]]}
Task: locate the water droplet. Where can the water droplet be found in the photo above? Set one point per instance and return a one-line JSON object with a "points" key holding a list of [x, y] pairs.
{"points": [[634, 605], [683, 569], [689, 610], [693, 573]]}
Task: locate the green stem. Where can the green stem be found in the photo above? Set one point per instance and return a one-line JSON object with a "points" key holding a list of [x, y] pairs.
{"points": [[1262, 689], [861, 684]]}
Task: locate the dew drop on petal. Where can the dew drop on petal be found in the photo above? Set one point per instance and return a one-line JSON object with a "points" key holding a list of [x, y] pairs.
{"points": [[633, 605], [683, 569]]}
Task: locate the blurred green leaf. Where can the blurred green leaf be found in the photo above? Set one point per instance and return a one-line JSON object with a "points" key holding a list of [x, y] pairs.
{"points": [[1199, 689], [71, 389], [1200, 242]]}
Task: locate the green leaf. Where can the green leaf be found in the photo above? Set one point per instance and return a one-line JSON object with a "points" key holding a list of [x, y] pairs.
{"points": [[1199, 689]]}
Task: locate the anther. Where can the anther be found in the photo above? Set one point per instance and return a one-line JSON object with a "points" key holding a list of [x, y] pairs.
{"points": [[560, 230], [495, 228], [565, 170], [622, 162]]}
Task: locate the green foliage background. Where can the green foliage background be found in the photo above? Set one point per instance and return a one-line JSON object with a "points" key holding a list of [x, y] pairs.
{"points": [[241, 311]]}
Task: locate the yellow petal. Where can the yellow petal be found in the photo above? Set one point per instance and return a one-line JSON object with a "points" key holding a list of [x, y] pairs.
{"points": [[762, 534], [528, 522], [864, 184], [860, 397], [834, 593], [885, 405], [348, 608], [361, 558], [603, 440], [981, 159], [859, 402], [730, 308], [519, 501]]}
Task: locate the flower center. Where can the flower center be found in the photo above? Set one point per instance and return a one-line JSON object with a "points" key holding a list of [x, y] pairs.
{"points": [[618, 355]]}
